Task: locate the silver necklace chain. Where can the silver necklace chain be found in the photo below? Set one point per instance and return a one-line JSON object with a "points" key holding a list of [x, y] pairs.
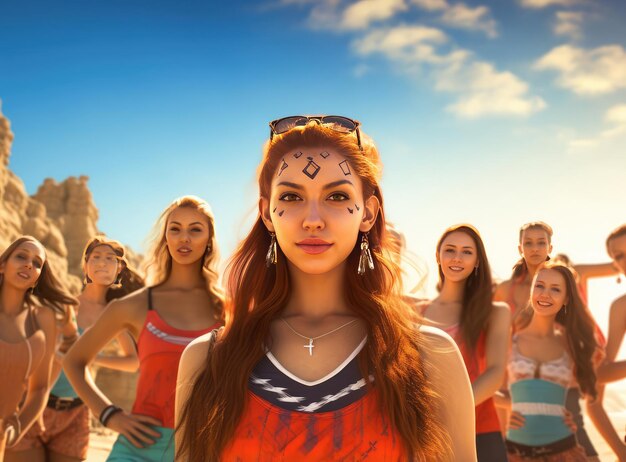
{"points": [[310, 346]]}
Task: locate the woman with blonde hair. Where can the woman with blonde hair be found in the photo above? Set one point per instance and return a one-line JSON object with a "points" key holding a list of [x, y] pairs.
{"points": [[32, 299], [65, 433], [182, 302], [320, 358]]}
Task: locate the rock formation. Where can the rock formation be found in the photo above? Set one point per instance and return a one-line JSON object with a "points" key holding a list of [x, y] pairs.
{"points": [[63, 216]]}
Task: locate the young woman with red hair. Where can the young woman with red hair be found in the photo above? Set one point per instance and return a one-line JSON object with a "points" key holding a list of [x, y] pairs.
{"points": [[481, 328], [320, 358]]}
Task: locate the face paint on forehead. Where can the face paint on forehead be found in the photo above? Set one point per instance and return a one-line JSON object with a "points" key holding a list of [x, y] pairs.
{"points": [[283, 166], [345, 168], [297, 155], [312, 169], [324, 154]]}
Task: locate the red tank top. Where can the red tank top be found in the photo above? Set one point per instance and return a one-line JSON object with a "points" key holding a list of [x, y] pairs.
{"points": [[359, 431], [160, 347], [486, 416]]}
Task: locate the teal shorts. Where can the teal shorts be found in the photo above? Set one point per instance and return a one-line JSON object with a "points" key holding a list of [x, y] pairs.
{"points": [[161, 451]]}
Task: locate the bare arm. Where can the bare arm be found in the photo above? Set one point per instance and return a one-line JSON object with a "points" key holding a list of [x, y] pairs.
{"points": [[128, 361], [120, 315], [600, 419], [39, 381], [613, 370], [497, 348], [596, 270], [191, 363], [502, 292], [446, 371]]}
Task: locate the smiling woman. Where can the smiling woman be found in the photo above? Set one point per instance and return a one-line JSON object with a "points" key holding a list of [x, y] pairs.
{"points": [[329, 358], [30, 299]]}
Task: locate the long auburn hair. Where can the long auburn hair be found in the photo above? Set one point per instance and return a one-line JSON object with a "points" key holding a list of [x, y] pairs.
{"points": [[129, 280], [477, 297], [617, 232], [159, 262], [520, 268], [49, 290], [393, 353], [579, 326]]}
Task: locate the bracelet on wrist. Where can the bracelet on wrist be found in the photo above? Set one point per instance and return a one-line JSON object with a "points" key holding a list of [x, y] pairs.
{"points": [[108, 412]]}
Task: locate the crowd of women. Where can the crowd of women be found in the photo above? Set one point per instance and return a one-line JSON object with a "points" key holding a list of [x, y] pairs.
{"points": [[312, 351]]}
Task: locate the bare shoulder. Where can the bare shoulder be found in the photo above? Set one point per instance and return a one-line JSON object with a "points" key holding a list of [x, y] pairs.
{"points": [[619, 306], [500, 313], [137, 300], [46, 318], [502, 290], [437, 343], [418, 304], [195, 354]]}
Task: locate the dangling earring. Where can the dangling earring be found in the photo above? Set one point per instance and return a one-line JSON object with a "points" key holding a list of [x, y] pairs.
{"points": [[270, 258], [366, 256], [565, 310], [619, 279]]}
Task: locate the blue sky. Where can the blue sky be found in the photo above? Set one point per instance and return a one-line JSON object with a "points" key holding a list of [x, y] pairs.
{"points": [[493, 112]]}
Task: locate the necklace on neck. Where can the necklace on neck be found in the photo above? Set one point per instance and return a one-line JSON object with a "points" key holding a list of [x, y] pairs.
{"points": [[310, 346]]}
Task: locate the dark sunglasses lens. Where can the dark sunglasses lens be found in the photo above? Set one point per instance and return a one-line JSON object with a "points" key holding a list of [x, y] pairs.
{"points": [[286, 124], [340, 124]]}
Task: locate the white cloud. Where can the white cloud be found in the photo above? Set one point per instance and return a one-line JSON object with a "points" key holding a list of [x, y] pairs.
{"points": [[464, 17], [546, 3], [481, 89], [587, 72], [615, 119], [431, 5], [361, 14], [361, 70], [569, 24]]}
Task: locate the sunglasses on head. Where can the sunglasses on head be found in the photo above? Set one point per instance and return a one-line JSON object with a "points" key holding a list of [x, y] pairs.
{"points": [[338, 123]]}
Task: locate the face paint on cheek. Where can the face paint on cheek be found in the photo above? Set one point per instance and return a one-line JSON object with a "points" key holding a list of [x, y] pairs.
{"points": [[274, 211], [312, 169], [324, 154], [345, 168], [280, 214], [350, 210], [357, 207], [283, 166]]}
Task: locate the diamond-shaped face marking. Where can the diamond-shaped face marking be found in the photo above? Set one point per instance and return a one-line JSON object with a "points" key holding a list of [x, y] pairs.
{"points": [[324, 154], [345, 168], [283, 166], [312, 169]]}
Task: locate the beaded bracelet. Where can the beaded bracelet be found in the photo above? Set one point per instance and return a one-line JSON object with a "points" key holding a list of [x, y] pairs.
{"points": [[108, 412]]}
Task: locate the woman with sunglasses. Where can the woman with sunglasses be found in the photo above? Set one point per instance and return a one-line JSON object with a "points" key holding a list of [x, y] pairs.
{"points": [[329, 362], [65, 433], [481, 328], [182, 302], [554, 345], [32, 299]]}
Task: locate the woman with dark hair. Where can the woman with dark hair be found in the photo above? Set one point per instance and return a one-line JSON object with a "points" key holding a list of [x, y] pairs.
{"points": [[182, 302], [546, 357], [480, 327], [65, 433], [535, 246], [320, 358], [32, 299]]}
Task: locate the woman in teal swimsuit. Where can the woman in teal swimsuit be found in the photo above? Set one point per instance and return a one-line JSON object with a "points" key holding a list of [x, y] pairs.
{"points": [[545, 360]]}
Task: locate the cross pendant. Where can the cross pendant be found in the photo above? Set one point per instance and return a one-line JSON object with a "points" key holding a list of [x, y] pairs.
{"points": [[310, 346]]}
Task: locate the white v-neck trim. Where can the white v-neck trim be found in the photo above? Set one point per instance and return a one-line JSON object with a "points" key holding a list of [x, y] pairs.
{"points": [[339, 368]]}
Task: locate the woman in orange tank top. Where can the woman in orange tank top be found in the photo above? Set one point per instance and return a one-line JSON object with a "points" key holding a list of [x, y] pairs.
{"points": [[31, 298], [182, 301], [320, 358], [481, 328]]}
